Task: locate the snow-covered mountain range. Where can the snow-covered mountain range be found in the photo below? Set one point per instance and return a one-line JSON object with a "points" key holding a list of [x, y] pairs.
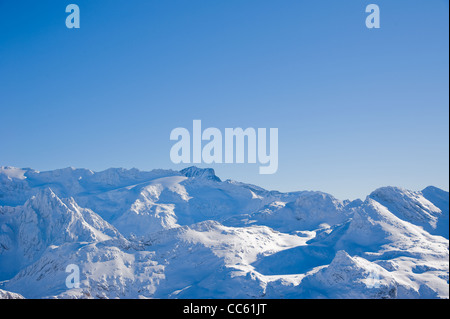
{"points": [[188, 234]]}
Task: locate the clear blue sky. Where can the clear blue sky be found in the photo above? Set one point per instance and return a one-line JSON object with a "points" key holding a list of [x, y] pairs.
{"points": [[356, 108]]}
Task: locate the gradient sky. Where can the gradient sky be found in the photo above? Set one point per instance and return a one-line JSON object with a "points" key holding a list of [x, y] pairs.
{"points": [[356, 108]]}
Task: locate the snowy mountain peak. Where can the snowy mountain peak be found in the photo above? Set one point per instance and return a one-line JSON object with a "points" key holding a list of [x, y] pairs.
{"points": [[9, 295], [353, 277], [342, 258], [12, 172], [413, 207], [46, 195], [45, 220], [204, 173]]}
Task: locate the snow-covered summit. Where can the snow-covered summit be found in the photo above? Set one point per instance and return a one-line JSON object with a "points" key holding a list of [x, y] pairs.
{"points": [[205, 173], [414, 207], [9, 295], [45, 220]]}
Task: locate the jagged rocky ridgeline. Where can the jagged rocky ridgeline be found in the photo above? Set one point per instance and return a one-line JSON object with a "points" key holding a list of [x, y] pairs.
{"points": [[188, 234]]}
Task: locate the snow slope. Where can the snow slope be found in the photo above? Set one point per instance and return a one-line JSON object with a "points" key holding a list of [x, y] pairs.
{"points": [[188, 234], [9, 295]]}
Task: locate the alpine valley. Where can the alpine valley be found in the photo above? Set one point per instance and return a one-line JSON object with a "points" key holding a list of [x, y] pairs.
{"points": [[188, 234]]}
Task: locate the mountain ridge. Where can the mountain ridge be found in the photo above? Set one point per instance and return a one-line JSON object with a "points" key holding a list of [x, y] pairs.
{"points": [[188, 234]]}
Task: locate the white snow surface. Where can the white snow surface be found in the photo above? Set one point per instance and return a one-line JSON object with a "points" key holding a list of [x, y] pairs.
{"points": [[188, 234]]}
